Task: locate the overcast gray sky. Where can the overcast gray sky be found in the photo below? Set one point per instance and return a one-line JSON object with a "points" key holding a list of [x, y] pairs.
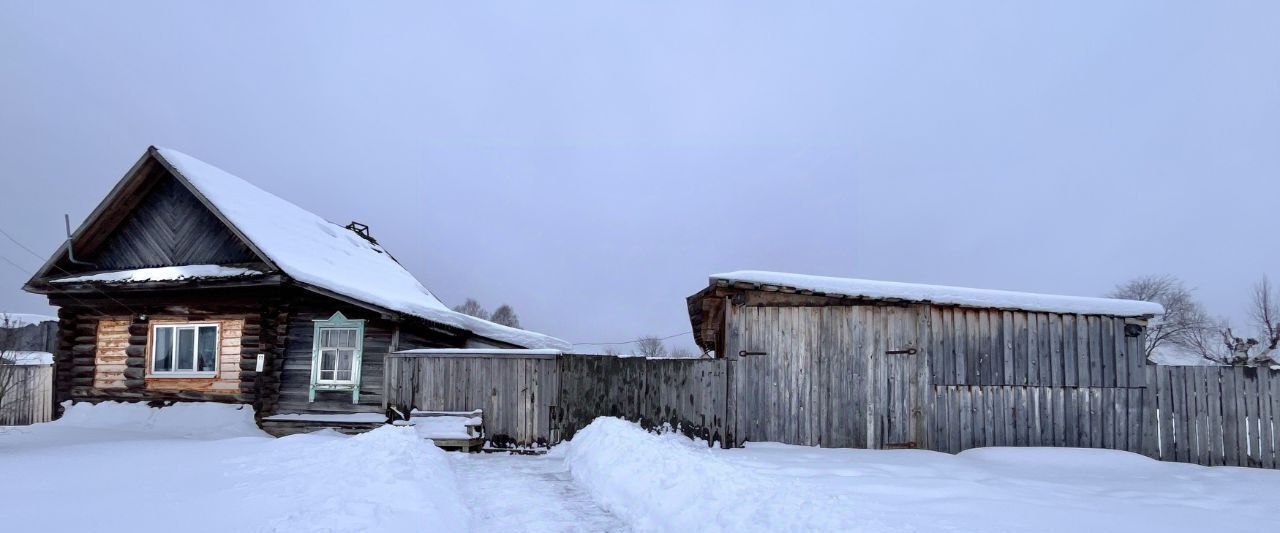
{"points": [[591, 163]]}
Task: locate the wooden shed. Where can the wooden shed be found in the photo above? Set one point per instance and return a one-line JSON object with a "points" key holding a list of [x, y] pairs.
{"points": [[855, 363]]}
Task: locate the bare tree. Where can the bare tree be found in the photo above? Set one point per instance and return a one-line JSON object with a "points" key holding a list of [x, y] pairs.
{"points": [[609, 349], [1264, 310], [10, 374], [680, 352], [506, 316], [650, 346], [1184, 326], [473, 308]]}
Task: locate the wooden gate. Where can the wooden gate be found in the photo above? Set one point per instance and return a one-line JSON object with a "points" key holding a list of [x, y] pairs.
{"points": [[849, 376]]}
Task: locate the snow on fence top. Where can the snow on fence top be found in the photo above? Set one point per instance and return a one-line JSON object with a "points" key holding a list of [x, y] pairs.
{"points": [[320, 253], [939, 294], [171, 273], [544, 353], [25, 358]]}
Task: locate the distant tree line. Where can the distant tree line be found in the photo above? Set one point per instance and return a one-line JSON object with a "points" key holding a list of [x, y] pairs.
{"points": [[1186, 327], [504, 314]]}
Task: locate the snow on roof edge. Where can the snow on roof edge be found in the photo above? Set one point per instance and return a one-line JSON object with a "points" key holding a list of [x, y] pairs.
{"points": [[289, 236], [946, 295], [169, 273]]}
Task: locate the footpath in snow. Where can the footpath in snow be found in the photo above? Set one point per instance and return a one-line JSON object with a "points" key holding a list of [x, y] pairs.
{"points": [[527, 493]]}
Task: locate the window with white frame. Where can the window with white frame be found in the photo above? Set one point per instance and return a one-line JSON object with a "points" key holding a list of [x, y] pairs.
{"points": [[337, 350], [184, 349]]}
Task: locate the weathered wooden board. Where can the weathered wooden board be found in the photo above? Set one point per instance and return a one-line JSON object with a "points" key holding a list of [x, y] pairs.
{"points": [[1213, 415]]}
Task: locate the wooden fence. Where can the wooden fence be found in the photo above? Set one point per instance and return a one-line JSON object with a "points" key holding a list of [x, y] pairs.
{"points": [[1207, 415], [686, 394], [517, 392], [538, 399], [29, 399], [1214, 415]]}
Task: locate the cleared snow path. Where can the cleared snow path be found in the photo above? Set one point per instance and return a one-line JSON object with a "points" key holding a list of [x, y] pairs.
{"points": [[526, 493]]}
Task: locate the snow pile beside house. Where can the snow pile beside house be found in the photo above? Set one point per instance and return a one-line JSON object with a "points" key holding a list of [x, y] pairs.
{"points": [[193, 420], [144, 469], [944, 295], [668, 482]]}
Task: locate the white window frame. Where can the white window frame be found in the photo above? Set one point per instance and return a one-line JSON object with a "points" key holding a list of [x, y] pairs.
{"points": [[173, 339], [337, 321], [320, 348]]}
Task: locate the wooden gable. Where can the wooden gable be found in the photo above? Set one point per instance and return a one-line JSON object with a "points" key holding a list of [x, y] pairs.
{"points": [[152, 218], [170, 227]]}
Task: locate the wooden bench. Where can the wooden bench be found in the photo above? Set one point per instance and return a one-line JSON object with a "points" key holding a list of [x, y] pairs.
{"points": [[450, 430]]}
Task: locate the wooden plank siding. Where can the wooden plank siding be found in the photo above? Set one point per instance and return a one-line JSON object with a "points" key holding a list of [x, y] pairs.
{"points": [[1214, 415], [169, 226], [29, 398]]}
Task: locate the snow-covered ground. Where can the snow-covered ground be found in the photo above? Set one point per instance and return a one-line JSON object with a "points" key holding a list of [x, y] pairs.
{"points": [[669, 483], [207, 467]]}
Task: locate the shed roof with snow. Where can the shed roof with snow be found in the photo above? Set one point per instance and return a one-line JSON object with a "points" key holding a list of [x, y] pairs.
{"points": [[762, 288]]}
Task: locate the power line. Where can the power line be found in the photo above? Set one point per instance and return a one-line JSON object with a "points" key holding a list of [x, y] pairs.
{"points": [[630, 341], [64, 271], [64, 293]]}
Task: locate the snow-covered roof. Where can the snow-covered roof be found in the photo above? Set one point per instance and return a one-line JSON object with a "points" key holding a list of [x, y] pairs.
{"points": [[939, 294], [28, 358], [322, 254], [170, 273]]}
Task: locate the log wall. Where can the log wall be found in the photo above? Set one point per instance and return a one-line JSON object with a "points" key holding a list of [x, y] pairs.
{"points": [[103, 349]]}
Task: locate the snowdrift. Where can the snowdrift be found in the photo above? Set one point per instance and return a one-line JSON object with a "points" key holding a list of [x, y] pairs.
{"points": [[206, 467], [671, 483], [187, 420]]}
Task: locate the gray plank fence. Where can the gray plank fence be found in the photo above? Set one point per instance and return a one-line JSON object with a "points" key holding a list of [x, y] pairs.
{"points": [[686, 394], [1214, 415], [535, 400], [1206, 415], [516, 392], [29, 398]]}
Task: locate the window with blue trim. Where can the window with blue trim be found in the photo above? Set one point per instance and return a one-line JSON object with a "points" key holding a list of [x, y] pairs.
{"points": [[337, 349]]}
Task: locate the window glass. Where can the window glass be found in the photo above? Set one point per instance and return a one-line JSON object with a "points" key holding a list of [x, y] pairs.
{"points": [[208, 349], [344, 364], [186, 351], [337, 354], [162, 360]]}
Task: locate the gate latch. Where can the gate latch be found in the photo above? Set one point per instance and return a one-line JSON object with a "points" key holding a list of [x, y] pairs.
{"points": [[908, 351]]}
